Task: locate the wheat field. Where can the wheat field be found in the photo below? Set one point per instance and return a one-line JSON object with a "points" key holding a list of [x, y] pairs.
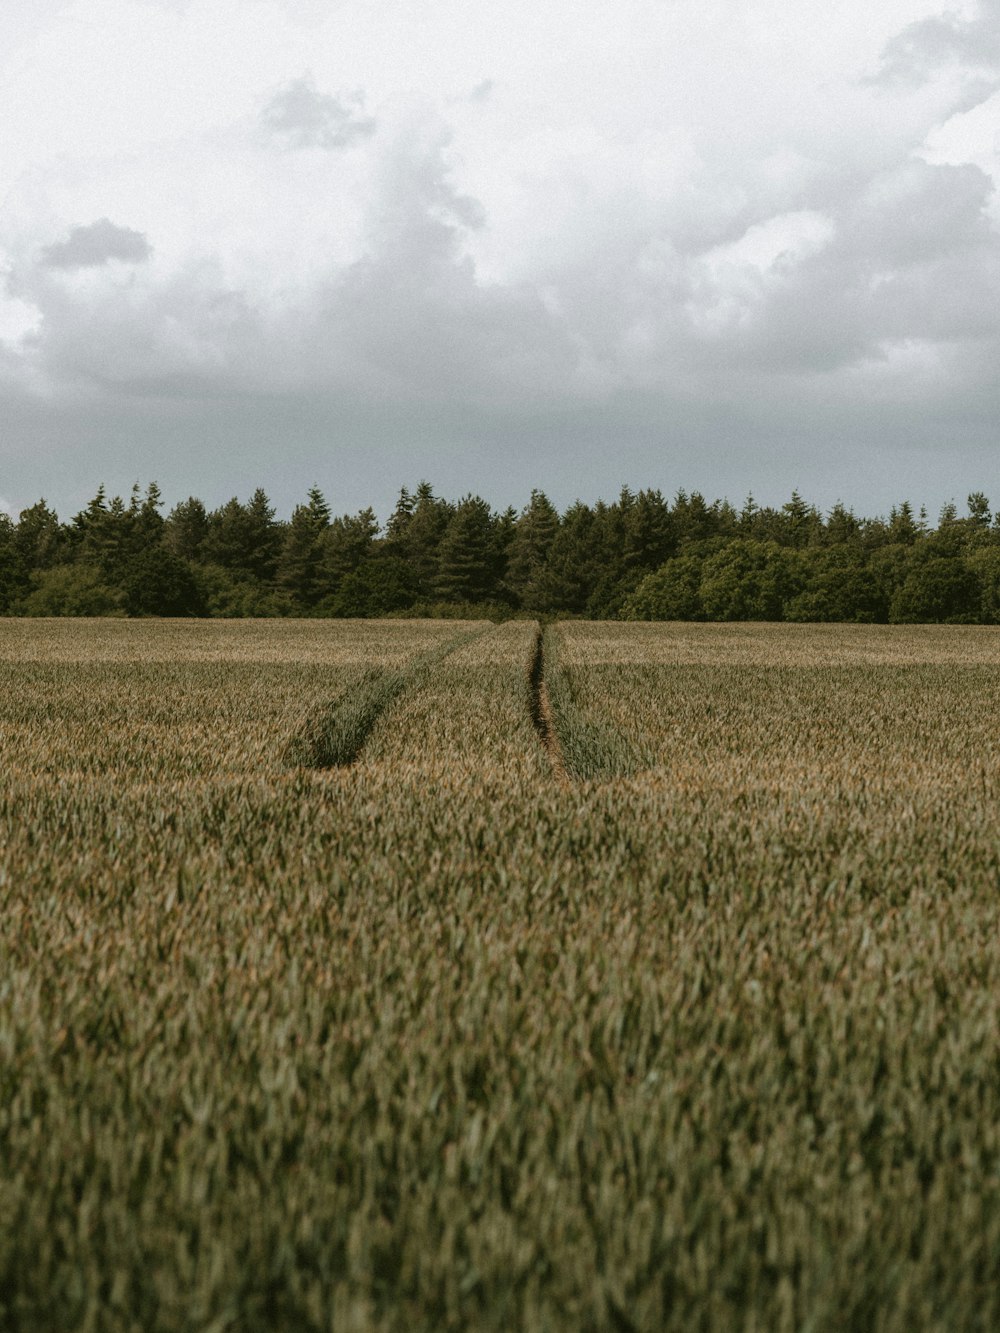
{"points": [[440, 975]]}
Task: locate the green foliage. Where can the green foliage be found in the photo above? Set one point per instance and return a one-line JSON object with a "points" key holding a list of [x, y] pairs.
{"points": [[469, 557], [346, 545], [749, 580], [300, 569], [378, 587], [230, 596], [70, 590], [10, 564], [837, 587], [936, 589], [574, 566], [414, 533], [39, 543], [111, 535], [160, 583], [186, 528], [640, 557], [244, 539], [984, 562], [671, 593], [528, 553]]}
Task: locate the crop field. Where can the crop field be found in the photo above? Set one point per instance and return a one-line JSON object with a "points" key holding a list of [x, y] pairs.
{"points": [[444, 975]]}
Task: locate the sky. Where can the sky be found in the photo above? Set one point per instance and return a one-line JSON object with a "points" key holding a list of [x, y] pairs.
{"points": [[575, 245]]}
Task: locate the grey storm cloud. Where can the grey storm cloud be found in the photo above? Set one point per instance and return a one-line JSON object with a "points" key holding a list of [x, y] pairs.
{"points": [[303, 117], [97, 244], [914, 54]]}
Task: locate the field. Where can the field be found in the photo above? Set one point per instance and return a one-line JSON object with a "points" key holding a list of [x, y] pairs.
{"points": [[417, 975]]}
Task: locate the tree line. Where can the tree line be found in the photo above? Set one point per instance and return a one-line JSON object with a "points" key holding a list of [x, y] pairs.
{"points": [[642, 557]]}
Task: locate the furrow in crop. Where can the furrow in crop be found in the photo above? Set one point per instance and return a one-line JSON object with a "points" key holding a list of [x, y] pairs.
{"points": [[333, 735], [542, 716]]}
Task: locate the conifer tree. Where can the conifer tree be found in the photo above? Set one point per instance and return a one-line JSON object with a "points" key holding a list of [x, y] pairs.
{"points": [[534, 532], [186, 528], [346, 543], [9, 564], [300, 569], [575, 563], [424, 534], [649, 533], [903, 527], [245, 539], [469, 558], [39, 540], [842, 528]]}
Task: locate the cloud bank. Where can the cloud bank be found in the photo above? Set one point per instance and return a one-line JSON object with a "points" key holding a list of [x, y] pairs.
{"points": [[654, 245]]}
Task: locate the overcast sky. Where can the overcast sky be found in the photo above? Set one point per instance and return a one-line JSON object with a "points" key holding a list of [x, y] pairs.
{"points": [[567, 243]]}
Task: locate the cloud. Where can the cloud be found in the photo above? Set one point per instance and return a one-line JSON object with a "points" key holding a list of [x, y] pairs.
{"points": [[98, 244], [17, 318], [922, 48], [655, 225], [302, 117]]}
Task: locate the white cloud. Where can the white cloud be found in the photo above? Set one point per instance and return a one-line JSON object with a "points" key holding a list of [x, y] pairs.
{"points": [[18, 319], [924, 47], [971, 138]]}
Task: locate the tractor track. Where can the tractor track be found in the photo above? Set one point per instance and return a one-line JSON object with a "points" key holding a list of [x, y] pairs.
{"points": [[542, 715]]}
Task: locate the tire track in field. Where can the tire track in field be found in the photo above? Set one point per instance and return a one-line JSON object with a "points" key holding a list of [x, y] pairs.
{"points": [[334, 734], [579, 748], [542, 715]]}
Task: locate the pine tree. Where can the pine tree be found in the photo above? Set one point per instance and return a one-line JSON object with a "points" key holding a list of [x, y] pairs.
{"points": [[469, 557], [264, 537], [979, 511], [802, 524], [245, 539], [345, 544], [186, 527], [99, 534], [649, 532], [425, 532], [149, 521], [399, 522], [39, 540], [694, 519], [300, 569], [9, 564], [842, 528], [903, 527], [534, 532], [575, 564]]}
